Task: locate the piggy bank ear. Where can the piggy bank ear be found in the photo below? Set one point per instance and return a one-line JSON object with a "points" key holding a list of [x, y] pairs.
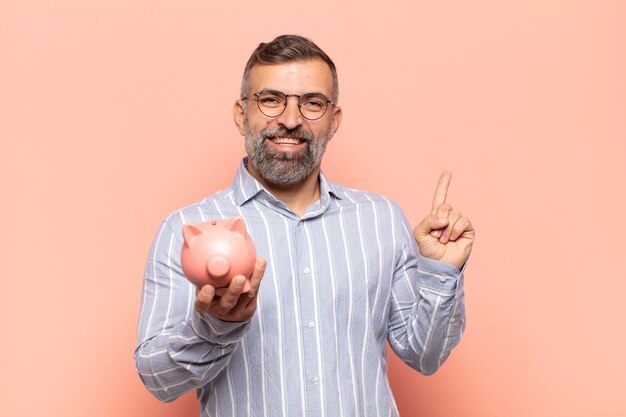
{"points": [[237, 225], [190, 231]]}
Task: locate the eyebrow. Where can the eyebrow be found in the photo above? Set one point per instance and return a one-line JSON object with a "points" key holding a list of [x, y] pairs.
{"points": [[306, 92]]}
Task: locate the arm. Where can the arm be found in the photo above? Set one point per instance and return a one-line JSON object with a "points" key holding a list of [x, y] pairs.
{"points": [[182, 344], [427, 313]]}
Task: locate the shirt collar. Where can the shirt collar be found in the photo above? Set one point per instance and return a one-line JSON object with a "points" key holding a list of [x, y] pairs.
{"points": [[327, 187], [246, 187]]}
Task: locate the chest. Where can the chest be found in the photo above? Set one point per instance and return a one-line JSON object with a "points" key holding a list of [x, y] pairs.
{"points": [[331, 269]]}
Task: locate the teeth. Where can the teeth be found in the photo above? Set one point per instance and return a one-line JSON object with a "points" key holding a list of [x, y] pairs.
{"points": [[293, 141]]}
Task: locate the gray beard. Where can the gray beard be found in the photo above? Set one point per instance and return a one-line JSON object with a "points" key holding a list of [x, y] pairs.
{"points": [[281, 168]]}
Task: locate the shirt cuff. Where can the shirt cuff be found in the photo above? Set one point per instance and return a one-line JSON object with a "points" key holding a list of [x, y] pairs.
{"points": [[218, 331], [438, 276]]}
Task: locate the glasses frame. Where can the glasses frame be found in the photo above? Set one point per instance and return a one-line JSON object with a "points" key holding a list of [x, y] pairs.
{"points": [[257, 95]]}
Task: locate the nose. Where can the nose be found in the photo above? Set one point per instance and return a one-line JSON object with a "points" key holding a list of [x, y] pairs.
{"points": [[291, 117]]}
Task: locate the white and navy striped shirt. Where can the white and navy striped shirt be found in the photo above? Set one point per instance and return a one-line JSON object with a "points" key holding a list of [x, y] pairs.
{"points": [[340, 281]]}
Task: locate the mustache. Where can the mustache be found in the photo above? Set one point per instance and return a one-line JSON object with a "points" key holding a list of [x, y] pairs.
{"points": [[288, 133]]}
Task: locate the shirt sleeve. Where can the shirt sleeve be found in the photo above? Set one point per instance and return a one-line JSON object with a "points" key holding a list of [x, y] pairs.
{"points": [[427, 313], [178, 349]]}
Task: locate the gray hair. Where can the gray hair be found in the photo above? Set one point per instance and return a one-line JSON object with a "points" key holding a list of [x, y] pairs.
{"points": [[288, 48]]}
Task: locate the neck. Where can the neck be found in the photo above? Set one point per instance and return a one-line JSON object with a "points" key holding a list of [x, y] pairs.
{"points": [[298, 197]]}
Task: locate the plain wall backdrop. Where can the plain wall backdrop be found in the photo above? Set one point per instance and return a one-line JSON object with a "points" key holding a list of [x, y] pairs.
{"points": [[115, 113]]}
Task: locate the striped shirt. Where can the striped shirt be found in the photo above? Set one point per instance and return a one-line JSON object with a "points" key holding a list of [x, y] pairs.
{"points": [[340, 282]]}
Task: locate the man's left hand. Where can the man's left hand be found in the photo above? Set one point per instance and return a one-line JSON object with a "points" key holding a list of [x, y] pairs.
{"points": [[445, 234]]}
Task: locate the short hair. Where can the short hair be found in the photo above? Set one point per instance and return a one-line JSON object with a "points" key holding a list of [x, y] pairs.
{"points": [[288, 48]]}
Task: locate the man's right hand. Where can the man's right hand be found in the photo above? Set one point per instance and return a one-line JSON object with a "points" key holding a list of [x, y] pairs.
{"points": [[233, 304]]}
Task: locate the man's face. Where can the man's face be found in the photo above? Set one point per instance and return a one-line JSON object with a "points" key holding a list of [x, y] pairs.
{"points": [[286, 149]]}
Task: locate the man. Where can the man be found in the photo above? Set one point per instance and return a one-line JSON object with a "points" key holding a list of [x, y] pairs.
{"points": [[339, 272]]}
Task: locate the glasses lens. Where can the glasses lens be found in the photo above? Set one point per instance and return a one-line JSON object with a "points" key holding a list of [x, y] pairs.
{"points": [[313, 105], [271, 103]]}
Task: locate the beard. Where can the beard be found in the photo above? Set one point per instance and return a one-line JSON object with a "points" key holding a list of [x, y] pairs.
{"points": [[284, 168]]}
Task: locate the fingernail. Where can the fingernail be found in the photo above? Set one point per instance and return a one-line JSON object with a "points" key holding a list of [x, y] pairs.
{"points": [[442, 220], [206, 291], [239, 282]]}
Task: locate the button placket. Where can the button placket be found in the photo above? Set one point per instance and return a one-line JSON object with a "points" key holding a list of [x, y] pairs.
{"points": [[310, 327]]}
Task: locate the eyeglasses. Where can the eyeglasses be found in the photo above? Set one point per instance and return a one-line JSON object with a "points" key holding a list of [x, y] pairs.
{"points": [[273, 103]]}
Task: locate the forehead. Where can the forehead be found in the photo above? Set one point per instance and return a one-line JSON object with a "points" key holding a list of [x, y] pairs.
{"points": [[292, 77]]}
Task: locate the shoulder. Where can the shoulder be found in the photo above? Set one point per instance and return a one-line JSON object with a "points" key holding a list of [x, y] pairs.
{"points": [[353, 196], [381, 212], [215, 206], [369, 205]]}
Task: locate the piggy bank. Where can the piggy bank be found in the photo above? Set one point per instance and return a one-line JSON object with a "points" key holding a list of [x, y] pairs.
{"points": [[216, 251]]}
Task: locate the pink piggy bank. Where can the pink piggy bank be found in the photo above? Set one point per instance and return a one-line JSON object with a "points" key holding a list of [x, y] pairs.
{"points": [[216, 251]]}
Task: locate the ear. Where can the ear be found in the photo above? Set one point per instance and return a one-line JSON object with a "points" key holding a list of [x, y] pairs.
{"points": [[190, 231], [238, 116], [238, 225], [336, 120]]}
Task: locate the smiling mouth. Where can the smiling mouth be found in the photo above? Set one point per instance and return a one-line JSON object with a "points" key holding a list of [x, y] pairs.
{"points": [[286, 141]]}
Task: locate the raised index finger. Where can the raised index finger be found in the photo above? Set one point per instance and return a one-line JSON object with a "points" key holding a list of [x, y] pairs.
{"points": [[442, 190]]}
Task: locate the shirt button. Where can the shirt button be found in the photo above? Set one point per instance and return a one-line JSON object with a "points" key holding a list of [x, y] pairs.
{"points": [[311, 324], [307, 270], [315, 379], [442, 279]]}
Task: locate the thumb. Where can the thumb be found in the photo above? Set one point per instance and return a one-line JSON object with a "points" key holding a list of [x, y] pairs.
{"points": [[429, 223]]}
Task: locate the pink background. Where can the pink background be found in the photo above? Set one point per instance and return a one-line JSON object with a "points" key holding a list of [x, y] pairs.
{"points": [[113, 113]]}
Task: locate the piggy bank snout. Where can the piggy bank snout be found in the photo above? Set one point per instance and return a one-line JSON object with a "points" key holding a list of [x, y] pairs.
{"points": [[218, 266]]}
